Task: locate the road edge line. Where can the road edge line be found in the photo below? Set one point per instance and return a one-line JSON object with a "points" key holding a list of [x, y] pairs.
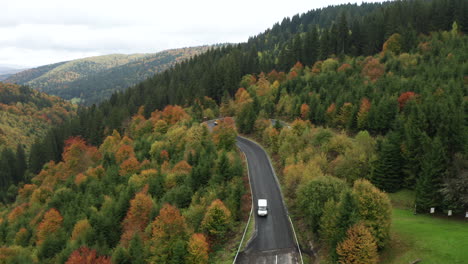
{"points": [[251, 211], [297, 242], [281, 192]]}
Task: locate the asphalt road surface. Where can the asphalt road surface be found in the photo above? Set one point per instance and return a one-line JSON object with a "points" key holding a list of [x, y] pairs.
{"points": [[273, 241]]}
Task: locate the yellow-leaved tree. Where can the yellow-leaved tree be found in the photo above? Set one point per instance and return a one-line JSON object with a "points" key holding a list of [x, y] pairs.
{"points": [[359, 246]]}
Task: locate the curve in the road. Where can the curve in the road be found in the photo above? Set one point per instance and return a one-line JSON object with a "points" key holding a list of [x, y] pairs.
{"points": [[273, 232]]}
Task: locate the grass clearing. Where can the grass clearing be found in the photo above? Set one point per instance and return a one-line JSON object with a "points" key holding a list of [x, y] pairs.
{"points": [[403, 199], [433, 240]]}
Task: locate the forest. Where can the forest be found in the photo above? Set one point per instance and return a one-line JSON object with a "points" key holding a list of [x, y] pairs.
{"points": [[167, 191], [376, 97], [91, 80]]}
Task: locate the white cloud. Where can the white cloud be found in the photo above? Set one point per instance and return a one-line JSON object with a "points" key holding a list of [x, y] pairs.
{"points": [[40, 32]]}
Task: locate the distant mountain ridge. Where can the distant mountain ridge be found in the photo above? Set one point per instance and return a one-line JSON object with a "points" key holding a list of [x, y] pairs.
{"points": [[91, 80], [7, 71]]}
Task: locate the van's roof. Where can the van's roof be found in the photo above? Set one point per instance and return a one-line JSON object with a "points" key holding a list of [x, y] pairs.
{"points": [[262, 201]]}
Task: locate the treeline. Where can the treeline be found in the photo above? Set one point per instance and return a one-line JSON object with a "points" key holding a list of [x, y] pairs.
{"points": [[167, 191], [416, 101], [217, 73], [25, 115], [354, 30]]}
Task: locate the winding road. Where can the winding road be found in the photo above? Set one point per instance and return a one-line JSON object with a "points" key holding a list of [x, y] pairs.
{"points": [[273, 240]]}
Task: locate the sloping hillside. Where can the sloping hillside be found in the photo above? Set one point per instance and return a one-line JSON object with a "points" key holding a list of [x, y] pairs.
{"points": [[7, 71], [26, 114], [31, 74], [91, 80]]}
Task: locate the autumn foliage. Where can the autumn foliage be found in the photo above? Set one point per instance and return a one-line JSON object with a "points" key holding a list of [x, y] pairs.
{"points": [[129, 166], [359, 247], [171, 115], [78, 156], [393, 44], [80, 229], [138, 216], [167, 229], [217, 220], [362, 116], [404, 98], [198, 249], [305, 111], [85, 255], [373, 69], [50, 224]]}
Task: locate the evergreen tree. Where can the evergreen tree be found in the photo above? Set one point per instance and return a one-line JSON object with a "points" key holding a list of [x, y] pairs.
{"points": [[387, 168], [246, 119], [356, 39], [136, 250], [347, 216], [414, 137], [21, 165], [343, 34], [433, 169], [223, 170], [7, 168], [325, 48], [296, 52]]}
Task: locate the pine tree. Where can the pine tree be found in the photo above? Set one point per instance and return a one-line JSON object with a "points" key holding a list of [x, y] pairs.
{"points": [[136, 250], [246, 119], [7, 168], [311, 47], [21, 165], [347, 216], [343, 37], [223, 171], [387, 168], [433, 169]]}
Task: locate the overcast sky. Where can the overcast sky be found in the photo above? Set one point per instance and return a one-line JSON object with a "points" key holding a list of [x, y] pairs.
{"points": [[38, 32]]}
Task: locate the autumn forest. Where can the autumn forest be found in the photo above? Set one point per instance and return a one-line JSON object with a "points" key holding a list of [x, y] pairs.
{"points": [[368, 101]]}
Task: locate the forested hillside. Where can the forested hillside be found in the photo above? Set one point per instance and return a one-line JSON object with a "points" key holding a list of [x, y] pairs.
{"points": [[91, 80], [7, 71], [218, 72], [25, 115], [168, 191], [380, 91]]}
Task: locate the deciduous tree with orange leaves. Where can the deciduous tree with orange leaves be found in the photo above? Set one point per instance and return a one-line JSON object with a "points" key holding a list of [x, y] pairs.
{"points": [[169, 235], [78, 156], [85, 255], [373, 69], [198, 249], [359, 247], [305, 109], [171, 114], [138, 216], [50, 224], [129, 166], [405, 97], [363, 114]]}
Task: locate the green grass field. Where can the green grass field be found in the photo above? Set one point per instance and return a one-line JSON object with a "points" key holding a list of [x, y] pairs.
{"points": [[431, 239]]}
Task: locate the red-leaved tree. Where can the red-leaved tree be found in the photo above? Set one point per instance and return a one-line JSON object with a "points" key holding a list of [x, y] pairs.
{"points": [[85, 255]]}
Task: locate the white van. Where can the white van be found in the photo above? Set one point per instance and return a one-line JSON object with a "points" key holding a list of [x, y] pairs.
{"points": [[262, 207]]}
